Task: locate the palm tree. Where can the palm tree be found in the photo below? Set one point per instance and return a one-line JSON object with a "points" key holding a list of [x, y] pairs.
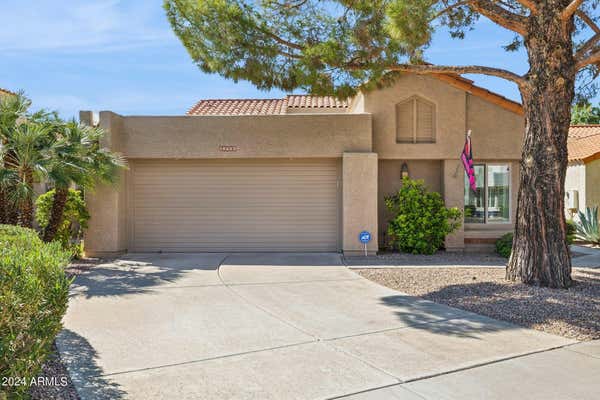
{"points": [[13, 110], [78, 159], [27, 154]]}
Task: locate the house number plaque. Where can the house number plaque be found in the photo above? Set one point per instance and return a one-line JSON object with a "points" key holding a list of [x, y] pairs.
{"points": [[228, 149]]}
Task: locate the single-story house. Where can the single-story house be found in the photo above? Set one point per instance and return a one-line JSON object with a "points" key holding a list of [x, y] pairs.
{"points": [[306, 173], [582, 183]]}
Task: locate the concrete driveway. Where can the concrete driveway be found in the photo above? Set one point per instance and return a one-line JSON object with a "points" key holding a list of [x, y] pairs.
{"points": [[291, 326]]}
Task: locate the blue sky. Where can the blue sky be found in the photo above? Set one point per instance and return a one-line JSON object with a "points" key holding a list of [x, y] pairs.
{"points": [[116, 55]]}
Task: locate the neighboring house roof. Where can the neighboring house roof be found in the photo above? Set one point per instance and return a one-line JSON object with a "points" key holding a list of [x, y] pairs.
{"points": [[265, 106], [584, 143]]}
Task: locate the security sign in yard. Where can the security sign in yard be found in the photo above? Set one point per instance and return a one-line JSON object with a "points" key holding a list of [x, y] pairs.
{"points": [[364, 237]]}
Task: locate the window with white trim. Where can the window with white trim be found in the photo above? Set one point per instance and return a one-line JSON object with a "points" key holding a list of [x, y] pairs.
{"points": [[415, 121], [490, 203]]}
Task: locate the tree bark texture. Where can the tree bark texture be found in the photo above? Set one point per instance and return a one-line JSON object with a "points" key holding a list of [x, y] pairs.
{"points": [[540, 254], [26, 217], [56, 213]]}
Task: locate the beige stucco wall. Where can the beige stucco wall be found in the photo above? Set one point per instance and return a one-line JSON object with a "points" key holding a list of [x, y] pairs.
{"points": [[450, 118], [592, 184], [290, 136], [390, 181], [496, 132], [575, 180], [108, 232], [359, 201]]}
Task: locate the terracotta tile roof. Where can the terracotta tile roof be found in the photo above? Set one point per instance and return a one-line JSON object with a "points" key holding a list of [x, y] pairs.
{"points": [[584, 143], [238, 107], [265, 106], [306, 101]]}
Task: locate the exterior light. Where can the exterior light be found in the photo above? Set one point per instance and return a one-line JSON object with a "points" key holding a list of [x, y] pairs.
{"points": [[404, 171]]}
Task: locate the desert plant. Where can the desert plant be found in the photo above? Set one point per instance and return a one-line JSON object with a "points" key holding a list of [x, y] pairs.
{"points": [[78, 158], [504, 245], [420, 220], [25, 153], [571, 231], [587, 227], [33, 299], [74, 221]]}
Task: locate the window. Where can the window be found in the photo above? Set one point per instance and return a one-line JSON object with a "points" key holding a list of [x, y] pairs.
{"points": [[490, 203], [415, 121]]}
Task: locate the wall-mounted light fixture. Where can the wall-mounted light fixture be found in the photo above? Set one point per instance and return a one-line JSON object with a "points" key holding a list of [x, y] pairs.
{"points": [[404, 171]]}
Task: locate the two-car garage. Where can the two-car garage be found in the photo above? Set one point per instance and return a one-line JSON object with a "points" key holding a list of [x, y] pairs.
{"points": [[234, 205]]}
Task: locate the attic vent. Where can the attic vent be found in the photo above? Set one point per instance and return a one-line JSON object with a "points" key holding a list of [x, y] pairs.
{"points": [[415, 121]]}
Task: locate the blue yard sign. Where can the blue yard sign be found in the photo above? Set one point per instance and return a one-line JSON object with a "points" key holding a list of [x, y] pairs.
{"points": [[364, 237]]}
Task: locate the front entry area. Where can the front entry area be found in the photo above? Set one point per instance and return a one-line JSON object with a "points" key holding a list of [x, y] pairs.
{"points": [[234, 205]]}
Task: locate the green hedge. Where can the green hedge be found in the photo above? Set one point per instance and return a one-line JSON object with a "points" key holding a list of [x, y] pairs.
{"points": [[33, 299]]}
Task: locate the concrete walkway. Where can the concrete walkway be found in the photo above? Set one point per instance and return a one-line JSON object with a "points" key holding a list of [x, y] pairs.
{"points": [[589, 258], [266, 326]]}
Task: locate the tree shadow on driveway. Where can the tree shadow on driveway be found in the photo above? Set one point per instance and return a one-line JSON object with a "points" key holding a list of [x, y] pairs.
{"points": [[419, 313], [138, 273], [80, 357], [573, 313]]}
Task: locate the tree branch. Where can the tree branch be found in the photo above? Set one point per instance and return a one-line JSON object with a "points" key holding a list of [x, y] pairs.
{"points": [[450, 8], [529, 4], [570, 9], [587, 46], [500, 15], [590, 22], [458, 70], [593, 58]]}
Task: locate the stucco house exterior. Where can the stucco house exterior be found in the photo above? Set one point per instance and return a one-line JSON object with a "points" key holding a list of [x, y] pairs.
{"points": [[583, 173], [306, 173]]}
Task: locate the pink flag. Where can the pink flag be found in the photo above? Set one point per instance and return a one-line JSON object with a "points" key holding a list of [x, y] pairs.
{"points": [[467, 160]]}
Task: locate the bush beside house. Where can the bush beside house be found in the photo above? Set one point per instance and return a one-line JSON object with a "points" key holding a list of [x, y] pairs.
{"points": [[33, 299], [421, 220], [74, 222]]}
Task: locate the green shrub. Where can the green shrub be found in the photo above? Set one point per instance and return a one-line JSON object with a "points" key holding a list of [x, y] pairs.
{"points": [[75, 219], [33, 299], [504, 245], [421, 220]]}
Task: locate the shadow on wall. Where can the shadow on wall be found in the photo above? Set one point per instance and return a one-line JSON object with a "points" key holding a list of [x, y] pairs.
{"points": [[426, 315], [135, 274], [80, 359]]}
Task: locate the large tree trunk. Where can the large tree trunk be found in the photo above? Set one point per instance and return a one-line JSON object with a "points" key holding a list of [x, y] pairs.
{"points": [[540, 254], [56, 214]]}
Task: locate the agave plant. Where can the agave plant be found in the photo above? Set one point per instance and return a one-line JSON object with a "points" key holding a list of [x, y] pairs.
{"points": [[588, 228]]}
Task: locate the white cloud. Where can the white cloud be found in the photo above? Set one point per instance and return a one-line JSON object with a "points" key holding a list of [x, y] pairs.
{"points": [[82, 25]]}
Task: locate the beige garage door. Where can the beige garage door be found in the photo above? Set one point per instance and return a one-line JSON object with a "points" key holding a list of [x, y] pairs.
{"points": [[234, 205]]}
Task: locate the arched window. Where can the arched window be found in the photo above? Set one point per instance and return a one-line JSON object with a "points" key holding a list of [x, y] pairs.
{"points": [[415, 121]]}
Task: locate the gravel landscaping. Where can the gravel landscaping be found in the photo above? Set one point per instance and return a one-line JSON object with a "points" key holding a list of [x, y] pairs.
{"points": [[572, 313]]}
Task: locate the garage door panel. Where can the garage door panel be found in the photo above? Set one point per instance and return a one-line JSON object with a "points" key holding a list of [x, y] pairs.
{"points": [[235, 205]]}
